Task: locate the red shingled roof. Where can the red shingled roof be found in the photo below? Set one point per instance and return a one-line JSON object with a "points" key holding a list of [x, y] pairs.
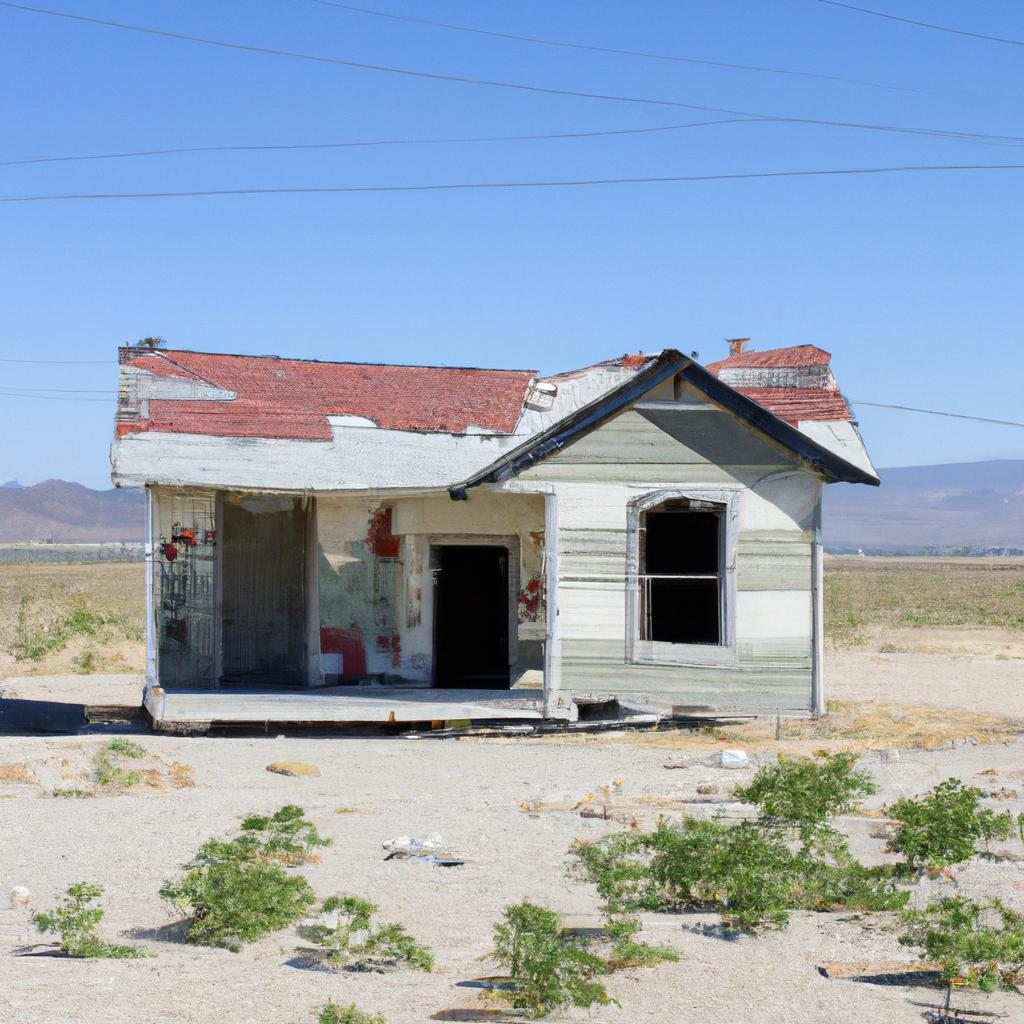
{"points": [[796, 404], [795, 355], [292, 398], [792, 404]]}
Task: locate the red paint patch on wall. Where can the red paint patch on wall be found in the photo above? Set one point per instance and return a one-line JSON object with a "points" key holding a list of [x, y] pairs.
{"points": [[392, 643], [349, 644], [379, 538]]}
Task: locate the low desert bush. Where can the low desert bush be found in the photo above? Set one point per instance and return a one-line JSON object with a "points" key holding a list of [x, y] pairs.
{"points": [[980, 945], [332, 1013], [745, 872], [944, 826], [285, 835], [806, 792], [107, 766], [354, 943], [628, 951], [75, 920], [547, 969], [239, 890]]}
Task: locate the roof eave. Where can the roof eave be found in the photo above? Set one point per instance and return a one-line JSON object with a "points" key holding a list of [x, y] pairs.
{"points": [[668, 363]]}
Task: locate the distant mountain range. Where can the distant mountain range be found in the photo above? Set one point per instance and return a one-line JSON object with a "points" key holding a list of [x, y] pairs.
{"points": [[61, 511], [973, 506], [976, 506]]}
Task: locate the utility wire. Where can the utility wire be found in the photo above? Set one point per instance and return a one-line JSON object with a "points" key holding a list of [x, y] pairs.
{"points": [[515, 86], [496, 185], [919, 24], [60, 391], [938, 412], [605, 49], [383, 142]]}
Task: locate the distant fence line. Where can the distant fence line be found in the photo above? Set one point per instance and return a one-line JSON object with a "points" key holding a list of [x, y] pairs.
{"points": [[110, 551]]}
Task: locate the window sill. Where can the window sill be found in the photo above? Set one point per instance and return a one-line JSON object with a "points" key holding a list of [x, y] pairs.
{"points": [[653, 652]]}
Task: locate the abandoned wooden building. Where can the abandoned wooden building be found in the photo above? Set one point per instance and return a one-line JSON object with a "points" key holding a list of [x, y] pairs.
{"points": [[344, 542]]}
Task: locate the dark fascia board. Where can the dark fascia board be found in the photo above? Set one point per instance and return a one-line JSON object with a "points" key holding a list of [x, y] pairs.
{"points": [[668, 364]]}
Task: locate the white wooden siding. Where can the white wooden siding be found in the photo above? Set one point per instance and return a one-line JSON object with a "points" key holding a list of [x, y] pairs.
{"points": [[644, 450]]}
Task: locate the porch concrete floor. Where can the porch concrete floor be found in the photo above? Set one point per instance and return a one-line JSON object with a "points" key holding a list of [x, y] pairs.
{"points": [[340, 704]]}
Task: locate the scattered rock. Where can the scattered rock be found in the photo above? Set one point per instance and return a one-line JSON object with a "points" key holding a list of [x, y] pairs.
{"points": [[735, 759], [20, 896], [706, 789], [293, 768], [890, 756]]}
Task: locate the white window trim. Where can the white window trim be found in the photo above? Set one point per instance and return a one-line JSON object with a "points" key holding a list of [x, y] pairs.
{"points": [[652, 652]]}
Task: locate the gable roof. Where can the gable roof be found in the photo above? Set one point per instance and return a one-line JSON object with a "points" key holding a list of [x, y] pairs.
{"points": [[292, 398], [668, 364]]}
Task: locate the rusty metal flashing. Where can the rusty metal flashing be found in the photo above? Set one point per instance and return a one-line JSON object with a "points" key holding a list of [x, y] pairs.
{"points": [[668, 363]]}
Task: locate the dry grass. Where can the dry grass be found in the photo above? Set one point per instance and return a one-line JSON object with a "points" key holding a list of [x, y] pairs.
{"points": [[59, 619], [863, 595], [17, 773], [867, 725]]}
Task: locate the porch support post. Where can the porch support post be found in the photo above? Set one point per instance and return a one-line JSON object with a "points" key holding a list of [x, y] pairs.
{"points": [[151, 659], [552, 635], [314, 674], [817, 616]]}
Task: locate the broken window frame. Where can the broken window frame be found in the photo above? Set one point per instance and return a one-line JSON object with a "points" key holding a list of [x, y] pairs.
{"points": [[640, 649]]}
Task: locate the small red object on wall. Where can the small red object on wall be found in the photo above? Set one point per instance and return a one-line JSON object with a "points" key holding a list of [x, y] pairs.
{"points": [[170, 551]]}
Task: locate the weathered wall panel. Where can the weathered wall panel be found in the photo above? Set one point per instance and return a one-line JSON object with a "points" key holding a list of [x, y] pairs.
{"points": [[376, 601], [647, 450]]}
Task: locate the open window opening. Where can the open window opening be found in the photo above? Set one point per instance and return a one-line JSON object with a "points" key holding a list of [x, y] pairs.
{"points": [[681, 572]]}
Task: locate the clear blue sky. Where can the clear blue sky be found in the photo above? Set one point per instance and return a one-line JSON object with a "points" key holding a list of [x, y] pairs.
{"points": [[913, 282]]}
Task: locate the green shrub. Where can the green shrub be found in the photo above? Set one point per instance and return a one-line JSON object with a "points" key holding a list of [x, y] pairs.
{"points": [[806, 792], [979, 945], [107, 769], [356, 944], [828, 878], [742, 871], [944, 826], [745, 872], [628, 951], [332, 1013], [285, 835], [238, 890], [547, 969], [75, 920]]}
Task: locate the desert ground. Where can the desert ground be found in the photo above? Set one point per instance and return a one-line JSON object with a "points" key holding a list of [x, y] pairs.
{"points": [[925, 673]]}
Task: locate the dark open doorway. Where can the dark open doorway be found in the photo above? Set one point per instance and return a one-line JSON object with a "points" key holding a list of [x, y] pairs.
{"points": [[263, 566], [471, 616]]}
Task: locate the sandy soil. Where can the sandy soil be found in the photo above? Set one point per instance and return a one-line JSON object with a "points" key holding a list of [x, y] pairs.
{"points": [[470, 792], [979, 669]]}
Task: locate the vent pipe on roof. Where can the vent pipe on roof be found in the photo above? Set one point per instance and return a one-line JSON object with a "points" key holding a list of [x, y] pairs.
{"points": [[737, 345]]}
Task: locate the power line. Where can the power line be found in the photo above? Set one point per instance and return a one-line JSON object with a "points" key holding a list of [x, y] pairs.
{"points": [[921, 24], [384, 142], [495, 185], [972, 137], [606, 49], [52, 398], [938, 412], [61, 391]]}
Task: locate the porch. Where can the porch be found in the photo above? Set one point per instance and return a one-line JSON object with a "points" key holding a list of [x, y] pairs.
{"points": [[340, 706], [272, 598]]}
